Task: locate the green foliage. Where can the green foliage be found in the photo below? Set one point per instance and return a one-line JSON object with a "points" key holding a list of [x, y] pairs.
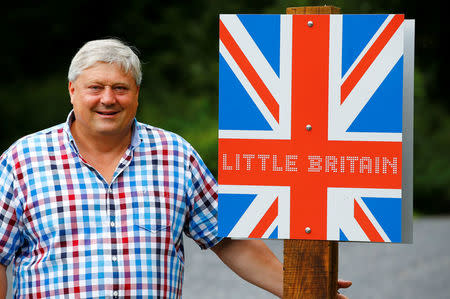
{"points": [[178, 43], [31, 106], [431, 152]]}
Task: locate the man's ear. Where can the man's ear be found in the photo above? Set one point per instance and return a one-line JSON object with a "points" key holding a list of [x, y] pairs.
{"points": [[71, 89], [137, 93]]}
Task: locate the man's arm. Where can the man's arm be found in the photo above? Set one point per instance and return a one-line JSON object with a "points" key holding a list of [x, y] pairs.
{"points": [[3, 282], [253, 261]]}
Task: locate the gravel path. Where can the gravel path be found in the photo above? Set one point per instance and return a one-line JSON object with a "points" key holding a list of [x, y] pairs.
{"points": [[418, 270]]}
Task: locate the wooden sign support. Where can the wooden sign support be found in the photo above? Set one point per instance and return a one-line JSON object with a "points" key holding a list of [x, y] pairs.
{"points": [[310, 267]]}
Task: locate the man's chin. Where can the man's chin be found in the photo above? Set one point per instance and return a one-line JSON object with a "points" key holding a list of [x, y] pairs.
{"points": [[111, 132]]}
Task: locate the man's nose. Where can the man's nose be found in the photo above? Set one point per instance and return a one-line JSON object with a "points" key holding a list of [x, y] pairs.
{"points": [[108, 96]]}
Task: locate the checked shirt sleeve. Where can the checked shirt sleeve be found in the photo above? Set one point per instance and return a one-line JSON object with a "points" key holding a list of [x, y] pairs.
{"points": [[10, 212], [202, 195]]}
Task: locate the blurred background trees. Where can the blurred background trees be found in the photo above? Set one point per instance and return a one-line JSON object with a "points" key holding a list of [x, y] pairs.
{"points": [[178, 44]]}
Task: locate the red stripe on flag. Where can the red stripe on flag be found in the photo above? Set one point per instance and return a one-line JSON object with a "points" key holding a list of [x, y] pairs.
{"points": [[367, 226], [249, 72], [265, 221], [370, 56]]}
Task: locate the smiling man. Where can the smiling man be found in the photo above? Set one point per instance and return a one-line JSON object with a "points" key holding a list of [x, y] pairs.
{"points": [[97, 207]]}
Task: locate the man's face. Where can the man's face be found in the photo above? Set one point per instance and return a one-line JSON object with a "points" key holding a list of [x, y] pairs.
{"points": [[104, 99]]}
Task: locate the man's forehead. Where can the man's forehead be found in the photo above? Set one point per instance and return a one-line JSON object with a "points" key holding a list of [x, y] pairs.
{"points": [[105, 70]]}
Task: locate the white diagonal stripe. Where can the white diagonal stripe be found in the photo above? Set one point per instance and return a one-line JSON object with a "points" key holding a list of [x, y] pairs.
{"points": [[340, 117], [247, 86], [281, 89], [340, 211], [253, 54], [367, 47], [270, 229], [353, 231], [252, 216], [372, 219], [373, 78], [266, 195]]}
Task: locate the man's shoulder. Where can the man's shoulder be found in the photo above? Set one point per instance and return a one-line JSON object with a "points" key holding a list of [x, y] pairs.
{"points": [[39, 140], [155, 136]]}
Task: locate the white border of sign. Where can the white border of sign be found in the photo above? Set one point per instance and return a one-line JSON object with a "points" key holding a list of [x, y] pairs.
{"points": [[408, 132]]}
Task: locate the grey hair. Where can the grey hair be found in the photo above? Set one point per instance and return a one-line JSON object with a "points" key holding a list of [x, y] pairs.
{"points": [[109, 51]]}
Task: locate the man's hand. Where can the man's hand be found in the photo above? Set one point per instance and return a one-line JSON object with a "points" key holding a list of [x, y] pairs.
{"points": [[343, 284]]}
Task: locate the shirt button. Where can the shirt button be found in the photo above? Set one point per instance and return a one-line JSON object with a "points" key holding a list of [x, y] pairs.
{"points": [[114, 258], [115, 293], [113, 224]]}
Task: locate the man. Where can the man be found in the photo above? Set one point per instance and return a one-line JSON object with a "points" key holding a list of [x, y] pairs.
{"points": [[96, 207]]}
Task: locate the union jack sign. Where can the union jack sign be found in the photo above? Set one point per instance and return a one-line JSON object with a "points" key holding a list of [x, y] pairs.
{"points": [[311, 126]]}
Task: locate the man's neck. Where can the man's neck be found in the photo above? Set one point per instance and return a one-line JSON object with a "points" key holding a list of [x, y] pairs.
{"points": [[100, 143], [103, 152]]}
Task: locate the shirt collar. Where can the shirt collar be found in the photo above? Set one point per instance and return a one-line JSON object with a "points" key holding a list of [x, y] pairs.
{"points": [[136, 137]]}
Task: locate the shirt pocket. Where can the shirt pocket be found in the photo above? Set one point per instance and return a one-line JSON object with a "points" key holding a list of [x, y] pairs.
{"points": [[151, 226], [151, 218], [150, 212], [158, 235]]}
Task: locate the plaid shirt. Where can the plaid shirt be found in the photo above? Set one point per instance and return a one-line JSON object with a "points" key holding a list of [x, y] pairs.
{"points": [[71, 234]]}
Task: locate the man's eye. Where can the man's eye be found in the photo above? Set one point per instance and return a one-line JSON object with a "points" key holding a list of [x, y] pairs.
{"points": [[95, 87], [120, 88]]}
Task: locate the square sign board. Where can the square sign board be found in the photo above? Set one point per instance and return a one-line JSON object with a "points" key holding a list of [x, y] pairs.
{"points": [[315, 127]]}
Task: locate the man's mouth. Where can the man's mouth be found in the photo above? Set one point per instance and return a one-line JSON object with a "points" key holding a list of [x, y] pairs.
{"points": [[107, 112]]}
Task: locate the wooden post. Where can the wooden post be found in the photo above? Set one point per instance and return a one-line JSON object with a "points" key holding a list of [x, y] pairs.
{"points": [[310, 267]]}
